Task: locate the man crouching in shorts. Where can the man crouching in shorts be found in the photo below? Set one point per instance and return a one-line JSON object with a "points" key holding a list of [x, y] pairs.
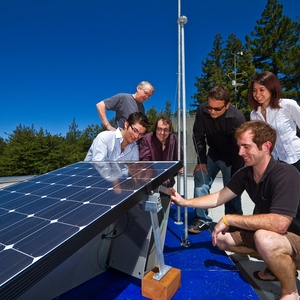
{"points": [[273, 231]]}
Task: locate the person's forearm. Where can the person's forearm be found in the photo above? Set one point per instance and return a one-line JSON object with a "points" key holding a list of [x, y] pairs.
{"points": [[102, 113], [271, 222], [207, 201], [200, 149]]}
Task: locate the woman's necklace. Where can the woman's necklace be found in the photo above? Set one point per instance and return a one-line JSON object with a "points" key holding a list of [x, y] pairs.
{"points": [[264, 112]]}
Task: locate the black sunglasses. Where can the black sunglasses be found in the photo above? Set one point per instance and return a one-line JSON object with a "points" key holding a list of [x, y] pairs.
{"points": [[215, 108]]}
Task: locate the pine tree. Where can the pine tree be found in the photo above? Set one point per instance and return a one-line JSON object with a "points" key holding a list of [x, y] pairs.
{"points": [[152, 116], [230, 66], [212, 72], [239, 69]]}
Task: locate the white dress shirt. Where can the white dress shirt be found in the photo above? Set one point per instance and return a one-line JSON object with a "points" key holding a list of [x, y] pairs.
{"points": [[107, 147], [285, 121]]}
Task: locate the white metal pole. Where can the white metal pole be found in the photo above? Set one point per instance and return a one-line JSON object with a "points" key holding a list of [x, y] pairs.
{"points": [[178, 221], [183, 20], [235, 83]]}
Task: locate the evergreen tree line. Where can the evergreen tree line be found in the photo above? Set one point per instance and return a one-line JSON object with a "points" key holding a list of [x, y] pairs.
{"points": [[273, 45], [28, 151]]}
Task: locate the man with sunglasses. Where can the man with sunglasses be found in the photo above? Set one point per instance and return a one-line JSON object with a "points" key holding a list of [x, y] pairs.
{"points": [[124, 104], [213, 135], [121, 143]]}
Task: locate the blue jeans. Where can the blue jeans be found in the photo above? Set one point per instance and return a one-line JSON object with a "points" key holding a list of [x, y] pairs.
{"points": [[203, 183]]}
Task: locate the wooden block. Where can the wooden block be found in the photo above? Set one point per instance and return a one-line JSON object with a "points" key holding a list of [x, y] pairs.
{"points": [[163, 289]]}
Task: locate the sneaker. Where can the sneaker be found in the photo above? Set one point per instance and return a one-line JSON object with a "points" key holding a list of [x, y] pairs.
{"points": [[197, 226]]}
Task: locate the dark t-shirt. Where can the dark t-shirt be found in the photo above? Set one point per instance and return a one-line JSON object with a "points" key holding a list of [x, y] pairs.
{"points": [[123, 105], [277, 192]]}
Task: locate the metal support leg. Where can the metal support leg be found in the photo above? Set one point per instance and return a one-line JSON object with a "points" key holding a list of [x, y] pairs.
{"points": [[153, 205]]}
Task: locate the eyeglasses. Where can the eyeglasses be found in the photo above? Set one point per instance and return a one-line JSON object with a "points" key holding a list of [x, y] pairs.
{"points": [[215, 108], [163, 130], [136, 131], [148, 94]]}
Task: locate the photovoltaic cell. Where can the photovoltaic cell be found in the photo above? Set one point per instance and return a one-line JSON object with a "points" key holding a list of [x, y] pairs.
{"points": [[46, 219]]}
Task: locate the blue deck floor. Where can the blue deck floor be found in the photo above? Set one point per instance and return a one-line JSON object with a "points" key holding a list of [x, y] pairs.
{"points": [[206, 273]]}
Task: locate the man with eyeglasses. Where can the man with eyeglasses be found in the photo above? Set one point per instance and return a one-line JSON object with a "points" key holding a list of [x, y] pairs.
{"points": [[213, 135], [121, 143], [124, 104], [161, 145]]}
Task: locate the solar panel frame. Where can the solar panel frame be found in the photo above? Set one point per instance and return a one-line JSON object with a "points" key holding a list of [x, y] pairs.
{"points": [[65, 188]]}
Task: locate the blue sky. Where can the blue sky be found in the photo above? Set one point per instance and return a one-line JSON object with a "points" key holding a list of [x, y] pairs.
{"points": [[59, 58]]}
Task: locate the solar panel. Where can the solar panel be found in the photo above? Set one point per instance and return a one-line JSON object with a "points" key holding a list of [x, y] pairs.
{"points": [[46, 219]]}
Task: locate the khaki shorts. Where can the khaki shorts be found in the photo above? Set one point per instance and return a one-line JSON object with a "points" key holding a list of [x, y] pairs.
{"points": [[246, 238]]}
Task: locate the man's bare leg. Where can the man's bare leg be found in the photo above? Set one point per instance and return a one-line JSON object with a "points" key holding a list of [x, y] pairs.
{"points": [[276, 251]]}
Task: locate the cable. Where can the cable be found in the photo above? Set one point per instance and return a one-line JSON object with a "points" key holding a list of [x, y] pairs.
{"points": [[109, 236]]}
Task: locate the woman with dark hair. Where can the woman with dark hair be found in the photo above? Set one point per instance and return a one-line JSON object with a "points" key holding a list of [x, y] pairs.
{"points": [[282, 114], [161, 145]]}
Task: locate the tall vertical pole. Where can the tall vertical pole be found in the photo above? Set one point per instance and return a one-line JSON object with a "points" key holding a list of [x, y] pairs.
{"points": [[235, 73], [182, 21], [178, 221], [235, 83]]}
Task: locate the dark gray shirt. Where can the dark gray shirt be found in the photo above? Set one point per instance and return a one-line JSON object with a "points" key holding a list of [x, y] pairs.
{"points": [[123, 104]]}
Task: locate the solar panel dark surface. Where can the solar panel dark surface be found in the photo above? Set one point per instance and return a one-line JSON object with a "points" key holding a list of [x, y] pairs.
{"points": [[48, 218]]}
